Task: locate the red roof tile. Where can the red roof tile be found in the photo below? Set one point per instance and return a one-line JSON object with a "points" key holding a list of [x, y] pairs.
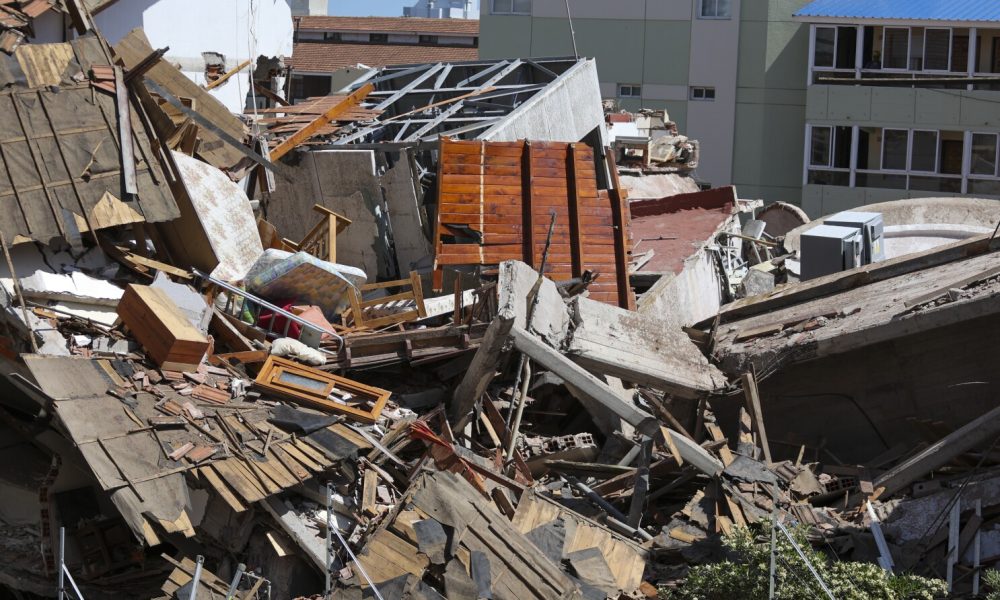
{"points": [[463, 27], [327, 58]]}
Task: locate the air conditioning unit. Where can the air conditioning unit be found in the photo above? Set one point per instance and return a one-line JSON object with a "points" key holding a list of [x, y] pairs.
{"points": [[827, 249], [872, 229]]}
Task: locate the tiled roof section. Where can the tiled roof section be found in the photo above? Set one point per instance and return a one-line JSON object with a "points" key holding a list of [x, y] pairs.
{"points": [[911, 10], [459, 27], [327, 58]]}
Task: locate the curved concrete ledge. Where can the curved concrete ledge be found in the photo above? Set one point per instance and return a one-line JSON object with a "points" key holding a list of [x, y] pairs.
{"points": [[919, 224]]}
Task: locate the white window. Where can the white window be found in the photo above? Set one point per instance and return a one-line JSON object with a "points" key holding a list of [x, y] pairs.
{"points": [[937, 50], [896, 48], [984, 154], [715, 9], [826, 47], [819, 147], [924, 154], [629, 90], [510, 7], [703, 93], [894, 148], [835, 47]]}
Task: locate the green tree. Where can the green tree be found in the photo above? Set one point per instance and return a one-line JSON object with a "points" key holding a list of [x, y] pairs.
{"points": [[745, 574]]}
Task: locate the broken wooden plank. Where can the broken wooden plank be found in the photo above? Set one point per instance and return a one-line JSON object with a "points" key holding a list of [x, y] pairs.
{"points": [[753, 405], [694, 454], [355, 98], [484, 365], [973, 434], [590, 389]]}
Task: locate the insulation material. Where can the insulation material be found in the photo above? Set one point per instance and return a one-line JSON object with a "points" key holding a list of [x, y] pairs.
{"points": [[226, 218], [303, 279]]}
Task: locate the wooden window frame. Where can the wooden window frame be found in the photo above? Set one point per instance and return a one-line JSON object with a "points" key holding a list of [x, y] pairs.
{"points": [[274, 367]]}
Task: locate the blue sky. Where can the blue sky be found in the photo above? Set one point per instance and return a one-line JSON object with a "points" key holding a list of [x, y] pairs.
{"points": [[369, 8]]}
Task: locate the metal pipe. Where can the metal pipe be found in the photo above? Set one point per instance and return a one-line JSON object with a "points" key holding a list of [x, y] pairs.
{"points": [[62, 562], [802, 555], [236, 580], [329, 539], [196, 580], [596, 499], [261, 303]]}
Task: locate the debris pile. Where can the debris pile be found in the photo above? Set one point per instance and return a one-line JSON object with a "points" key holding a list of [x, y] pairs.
{"points": [[224, 377]]}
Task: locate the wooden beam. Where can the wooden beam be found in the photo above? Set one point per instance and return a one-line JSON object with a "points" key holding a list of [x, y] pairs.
{"points": [[263, 91], [753, 406], [975, 433], [695, 455], [228, 74], [620, 216], [589, 389], [353, 99], [484, 365], [573, 189]]}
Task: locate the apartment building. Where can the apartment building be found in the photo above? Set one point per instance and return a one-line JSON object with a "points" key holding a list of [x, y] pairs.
{"points": [[729, 72], [443, 9], [903, 101]]}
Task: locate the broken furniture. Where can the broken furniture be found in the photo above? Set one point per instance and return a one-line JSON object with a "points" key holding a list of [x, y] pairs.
{"points": [[371, 314], [320, 390], [321, 241], [156, 322]]}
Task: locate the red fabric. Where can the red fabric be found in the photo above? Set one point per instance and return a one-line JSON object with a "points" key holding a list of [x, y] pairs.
{"points": [[266, 316]]}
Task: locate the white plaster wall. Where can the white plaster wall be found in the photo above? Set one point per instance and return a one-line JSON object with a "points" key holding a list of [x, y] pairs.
{"points": [[713, 63], [237, 29]]}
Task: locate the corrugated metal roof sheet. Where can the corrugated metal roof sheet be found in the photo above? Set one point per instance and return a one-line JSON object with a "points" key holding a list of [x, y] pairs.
{"points": [[911, 10]]}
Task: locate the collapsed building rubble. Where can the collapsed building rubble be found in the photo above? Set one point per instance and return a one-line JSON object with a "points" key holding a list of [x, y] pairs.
{"points": [[413, 340]]}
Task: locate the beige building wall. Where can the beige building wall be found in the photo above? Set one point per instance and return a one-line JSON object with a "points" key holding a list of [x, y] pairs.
{"points": [[650, 43]]}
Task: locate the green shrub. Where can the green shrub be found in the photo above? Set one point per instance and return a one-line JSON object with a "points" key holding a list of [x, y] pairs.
{"points": [[745, 574]]}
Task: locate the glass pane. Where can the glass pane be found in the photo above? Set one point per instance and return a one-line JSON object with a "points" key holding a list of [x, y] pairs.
{"points": [[984, 154], [304, 382], [984, 187], [824, 46], [924, 151], [897, 45], [842, 147], [502, 6], [820, 155], [817, 177], [937, 44], [879, 180], [522, 6], [847, 47], [723, 8], [936, 184], [894, 149], [710, 93]]}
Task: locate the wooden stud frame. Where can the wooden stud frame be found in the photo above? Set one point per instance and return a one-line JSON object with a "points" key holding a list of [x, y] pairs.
{"points": [[274, 367]]}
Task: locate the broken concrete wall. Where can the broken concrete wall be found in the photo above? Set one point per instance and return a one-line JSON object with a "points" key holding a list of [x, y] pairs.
{"points": [[344, 181], [410, 228], [945, 375], [566, 111], [689, 297]]}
